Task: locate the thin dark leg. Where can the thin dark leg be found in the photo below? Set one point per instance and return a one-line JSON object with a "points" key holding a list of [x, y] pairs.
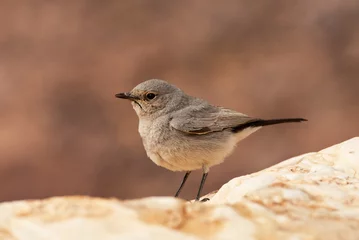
{"points": [[204, 176], [182, 183]]}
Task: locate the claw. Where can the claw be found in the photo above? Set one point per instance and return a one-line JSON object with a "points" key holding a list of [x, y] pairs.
{"points": [[204, 199]]}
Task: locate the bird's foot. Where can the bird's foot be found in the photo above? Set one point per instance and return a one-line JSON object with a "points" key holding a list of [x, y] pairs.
{"points": [[204, 199]]}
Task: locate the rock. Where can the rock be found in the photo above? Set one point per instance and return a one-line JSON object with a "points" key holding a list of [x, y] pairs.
{"points": [[312, 196]]}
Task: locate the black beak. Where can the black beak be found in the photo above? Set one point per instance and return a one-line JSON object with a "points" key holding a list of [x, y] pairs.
{"points": [[126, 96]]}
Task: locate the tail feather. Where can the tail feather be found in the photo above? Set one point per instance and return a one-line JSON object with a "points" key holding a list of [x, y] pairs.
{"points": [[260, 123]]}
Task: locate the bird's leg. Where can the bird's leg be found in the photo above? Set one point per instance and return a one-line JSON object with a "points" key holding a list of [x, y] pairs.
{"points": [[204, 176], [182, 183]]}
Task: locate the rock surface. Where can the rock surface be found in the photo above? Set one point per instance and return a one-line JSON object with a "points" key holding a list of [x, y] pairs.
{"points": [[312, 196]]}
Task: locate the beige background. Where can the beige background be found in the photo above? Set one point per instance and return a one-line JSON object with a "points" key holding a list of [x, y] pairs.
{"points": [[63, 132]]}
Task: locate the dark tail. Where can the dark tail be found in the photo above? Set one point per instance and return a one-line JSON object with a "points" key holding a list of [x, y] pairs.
{"points": [[261, 123]]}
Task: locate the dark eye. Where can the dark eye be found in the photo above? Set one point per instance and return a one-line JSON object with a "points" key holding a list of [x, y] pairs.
{"points": [[150, 96]]}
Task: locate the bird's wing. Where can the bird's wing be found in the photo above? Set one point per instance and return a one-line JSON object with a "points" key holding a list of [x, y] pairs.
{"points": [[206, 119]]}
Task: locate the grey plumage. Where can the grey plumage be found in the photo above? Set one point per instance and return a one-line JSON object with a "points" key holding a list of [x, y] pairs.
{"points": [[185, 133]]}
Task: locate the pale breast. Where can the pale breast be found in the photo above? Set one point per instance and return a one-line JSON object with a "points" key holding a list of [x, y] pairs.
{"points": [[178, 151]]}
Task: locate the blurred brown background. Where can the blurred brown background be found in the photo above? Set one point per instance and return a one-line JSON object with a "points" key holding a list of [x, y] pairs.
{"points": [[63, 132]]}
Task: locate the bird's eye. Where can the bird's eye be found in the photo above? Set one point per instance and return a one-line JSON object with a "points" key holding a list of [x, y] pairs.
{"points": [[150, 96]]}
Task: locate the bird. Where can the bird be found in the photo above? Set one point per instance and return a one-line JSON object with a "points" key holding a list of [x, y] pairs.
{"points": [[185, 133]]}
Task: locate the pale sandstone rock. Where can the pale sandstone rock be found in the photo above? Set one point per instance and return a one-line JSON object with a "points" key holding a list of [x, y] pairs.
{"points": [[313, 196]]}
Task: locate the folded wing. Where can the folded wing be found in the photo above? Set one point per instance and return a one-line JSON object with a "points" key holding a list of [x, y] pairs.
{"points": [[207, 119]]}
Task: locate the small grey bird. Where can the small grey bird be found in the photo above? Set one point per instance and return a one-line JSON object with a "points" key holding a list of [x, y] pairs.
{"points": [[185, 133]]}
